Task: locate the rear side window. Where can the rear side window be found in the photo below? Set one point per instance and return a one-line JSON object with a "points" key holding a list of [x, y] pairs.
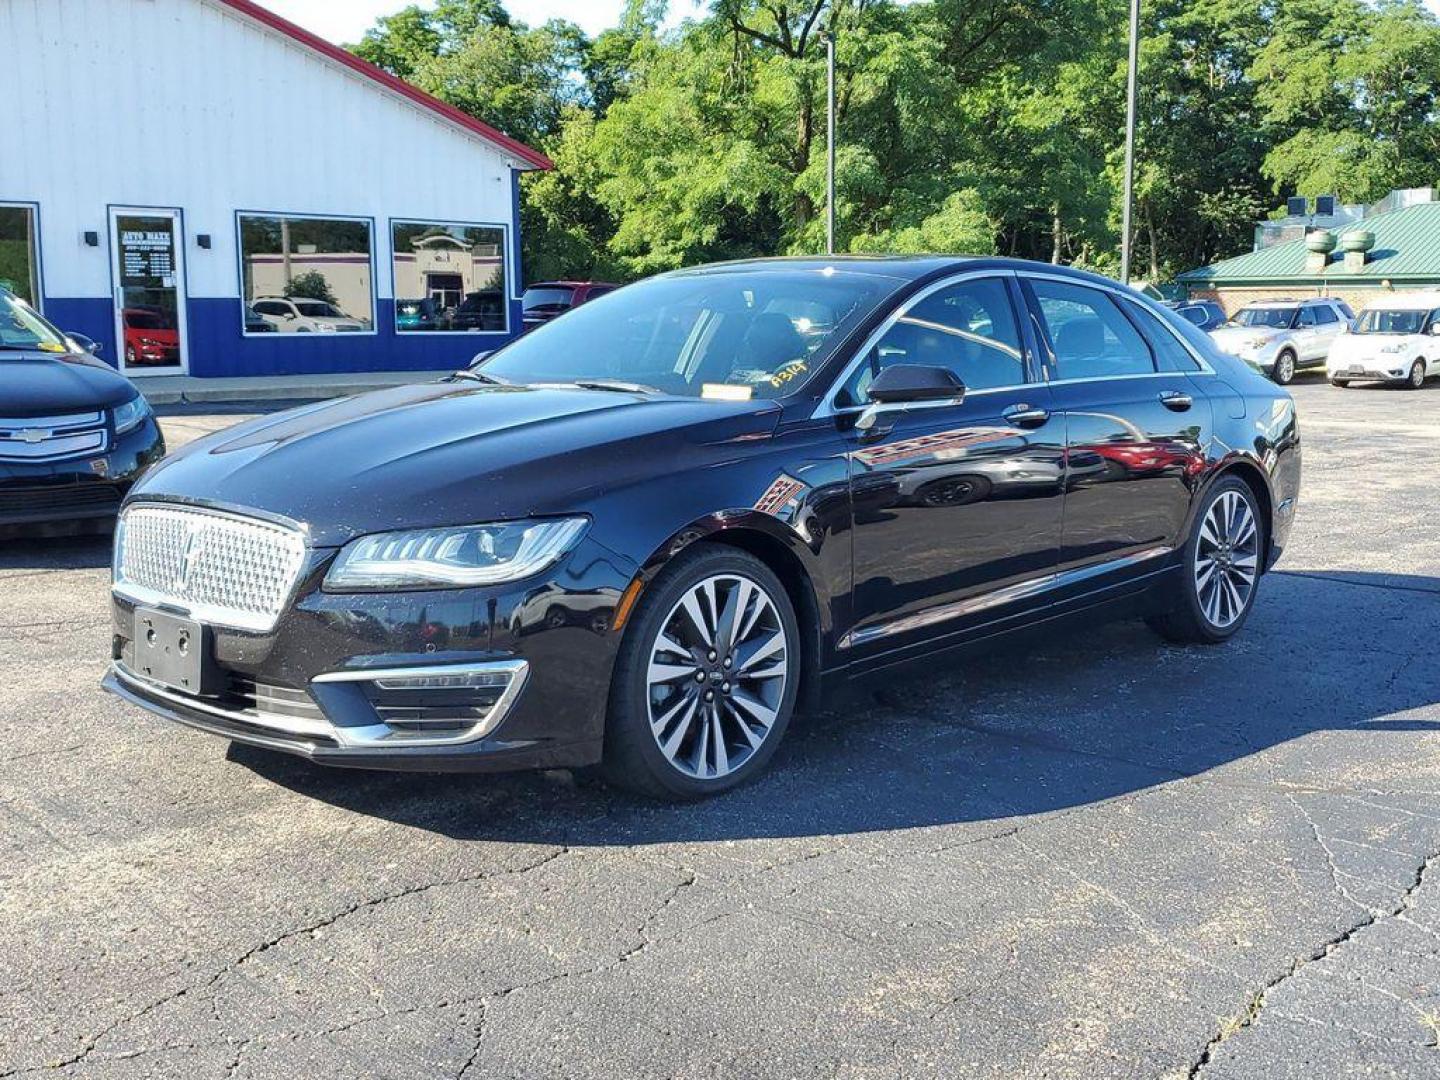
{"points": [[969, 328], [1196, 315], [1088, 335], [1170, 354]]}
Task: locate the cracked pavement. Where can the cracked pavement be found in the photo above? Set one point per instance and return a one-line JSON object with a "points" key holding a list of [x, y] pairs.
{"points": [[1091, 855]]}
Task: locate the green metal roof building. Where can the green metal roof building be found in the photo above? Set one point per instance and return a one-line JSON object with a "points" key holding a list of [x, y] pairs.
{"points": [[1404, 255]]}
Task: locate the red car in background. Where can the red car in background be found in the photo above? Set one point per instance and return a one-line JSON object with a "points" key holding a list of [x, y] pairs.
{"points": [[545, 300], [150, 338]]}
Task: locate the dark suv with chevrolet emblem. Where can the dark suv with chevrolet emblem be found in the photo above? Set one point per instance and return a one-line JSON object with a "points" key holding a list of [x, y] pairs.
{"points": [[74, 435]]}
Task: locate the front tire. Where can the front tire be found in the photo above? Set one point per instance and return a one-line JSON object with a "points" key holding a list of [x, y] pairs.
{"points": [[1417, 376], [1284, 371], [706, 680], [1210, 600]]}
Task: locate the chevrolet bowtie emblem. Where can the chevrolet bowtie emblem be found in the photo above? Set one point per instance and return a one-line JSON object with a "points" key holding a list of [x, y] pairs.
{"points": [[34, 435]]}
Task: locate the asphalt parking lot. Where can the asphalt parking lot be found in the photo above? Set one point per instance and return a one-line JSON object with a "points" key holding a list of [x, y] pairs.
{"points": [[1097, 856]]}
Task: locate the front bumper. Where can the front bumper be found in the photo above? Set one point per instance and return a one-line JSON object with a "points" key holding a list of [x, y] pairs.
{"points": [[1371, 370], [85, 488], [312, 686]]}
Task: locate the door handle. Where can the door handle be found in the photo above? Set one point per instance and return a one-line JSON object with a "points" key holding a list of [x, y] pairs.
{"points": [[1025, 416], [1174, 399]]}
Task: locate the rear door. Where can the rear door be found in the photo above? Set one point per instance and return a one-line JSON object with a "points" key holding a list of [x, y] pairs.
{"points": [[1137, 424], [957, 508]]}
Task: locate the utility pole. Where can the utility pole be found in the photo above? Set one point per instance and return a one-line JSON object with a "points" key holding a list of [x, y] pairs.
{"points": [[828, 36], [1130, 104]]}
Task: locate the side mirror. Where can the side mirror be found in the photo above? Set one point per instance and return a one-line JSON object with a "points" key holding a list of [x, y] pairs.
{"points": [[910, 385], [905, 384], [1435, 328], [290, 315], [94, 348]]}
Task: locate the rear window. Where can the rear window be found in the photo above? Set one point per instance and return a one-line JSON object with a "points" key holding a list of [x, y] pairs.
{"points": [[536, 299]]}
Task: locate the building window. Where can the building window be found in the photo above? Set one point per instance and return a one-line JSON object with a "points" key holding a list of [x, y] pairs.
{"points": [[306, 275], [19, 261], [449, 277]]}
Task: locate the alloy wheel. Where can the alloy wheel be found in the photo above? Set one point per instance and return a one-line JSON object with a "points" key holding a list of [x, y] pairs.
{"points": [[717, 676], [1417, 374], [1284, 368], [1227, 559]]}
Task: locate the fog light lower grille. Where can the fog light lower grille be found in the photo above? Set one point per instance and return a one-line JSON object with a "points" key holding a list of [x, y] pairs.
{"points": [[431, 706]]}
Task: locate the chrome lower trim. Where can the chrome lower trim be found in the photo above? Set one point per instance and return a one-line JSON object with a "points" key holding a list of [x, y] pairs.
{"points": [[382, 735], [289, 725], [1009, 594]]}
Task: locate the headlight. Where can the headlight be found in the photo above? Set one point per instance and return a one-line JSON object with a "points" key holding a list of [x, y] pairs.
{"points": [[451, 557], [327, 328], [132, 414], [1399, 346]]}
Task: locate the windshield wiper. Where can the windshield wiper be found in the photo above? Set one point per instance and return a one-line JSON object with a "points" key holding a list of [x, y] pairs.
{"points": [[475, 376], [20, 348], [617, 385]]}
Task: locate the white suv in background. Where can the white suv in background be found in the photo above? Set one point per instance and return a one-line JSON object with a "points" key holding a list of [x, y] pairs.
{"points": [[301, 315], [1281, 336], [1395, 339]]}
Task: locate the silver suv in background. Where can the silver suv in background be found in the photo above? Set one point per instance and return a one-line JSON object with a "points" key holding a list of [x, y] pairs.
{"points": [[1279, 337]]}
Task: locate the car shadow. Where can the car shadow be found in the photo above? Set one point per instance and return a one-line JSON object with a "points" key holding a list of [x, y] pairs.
{"points": [[1032, 728], [30, 548]]}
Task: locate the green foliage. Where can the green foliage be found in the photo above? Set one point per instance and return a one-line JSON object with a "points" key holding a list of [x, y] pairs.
{"points": [[311, 285], [965, 125]]}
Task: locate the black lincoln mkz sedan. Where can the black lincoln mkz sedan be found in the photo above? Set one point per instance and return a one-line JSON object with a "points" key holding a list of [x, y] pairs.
{"points": [[642, 534], [74, 434]]}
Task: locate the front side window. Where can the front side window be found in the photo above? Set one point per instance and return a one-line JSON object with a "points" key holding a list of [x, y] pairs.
{"points": [[968, 328], [1326, 316], [306, 274], [457, 270], [1272, 318], [1307, 317], [1089, 336], [19, 266], [1196, 315], [725, 335]]}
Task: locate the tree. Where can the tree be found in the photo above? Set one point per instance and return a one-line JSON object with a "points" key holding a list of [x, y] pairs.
{"points": [[311, 285]]}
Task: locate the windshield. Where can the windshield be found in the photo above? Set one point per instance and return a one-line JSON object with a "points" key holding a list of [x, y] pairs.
{"points": [[1380, 321], [547, 298], [22, 327], [144, 320], [316, 310], [1275, 318], [731, 335]]}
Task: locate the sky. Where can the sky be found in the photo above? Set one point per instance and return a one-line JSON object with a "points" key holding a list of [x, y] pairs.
{"points": [[345, 21]]}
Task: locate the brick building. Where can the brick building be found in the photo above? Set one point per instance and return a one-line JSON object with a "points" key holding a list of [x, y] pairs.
{"points": [[1397, 251]]}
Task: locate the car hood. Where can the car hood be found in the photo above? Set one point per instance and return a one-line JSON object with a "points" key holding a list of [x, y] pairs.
{"points": [[1362, 345], [448, 454], [45, 384]]}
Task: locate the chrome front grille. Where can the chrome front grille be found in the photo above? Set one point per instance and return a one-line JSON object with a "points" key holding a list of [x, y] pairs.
{"points": [[53, 438], [220, 568]]}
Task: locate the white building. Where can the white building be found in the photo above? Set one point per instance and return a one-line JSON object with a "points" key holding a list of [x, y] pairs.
{"points": [[205, 188]]}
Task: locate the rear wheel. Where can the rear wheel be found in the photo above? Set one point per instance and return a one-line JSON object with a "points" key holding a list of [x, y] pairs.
{"points": [[1417, 375], [1211, 599], [1284, 371], [706, 680]]}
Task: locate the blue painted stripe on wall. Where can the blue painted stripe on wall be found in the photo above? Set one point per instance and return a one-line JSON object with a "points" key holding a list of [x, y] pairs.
{"points": [[219, 349]]}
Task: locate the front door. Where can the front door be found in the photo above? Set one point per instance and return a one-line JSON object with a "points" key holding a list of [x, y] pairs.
{"points": [[148, 267], [957, 508]]}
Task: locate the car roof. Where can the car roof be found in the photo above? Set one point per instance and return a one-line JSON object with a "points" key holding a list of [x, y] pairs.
{"points": [[1416, 301], [900, 267]]}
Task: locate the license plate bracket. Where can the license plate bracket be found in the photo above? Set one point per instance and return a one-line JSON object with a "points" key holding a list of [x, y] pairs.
{"points": [[175, 652]]}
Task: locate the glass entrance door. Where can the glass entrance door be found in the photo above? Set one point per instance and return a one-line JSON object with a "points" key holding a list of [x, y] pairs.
{"points": [[148, 261]]}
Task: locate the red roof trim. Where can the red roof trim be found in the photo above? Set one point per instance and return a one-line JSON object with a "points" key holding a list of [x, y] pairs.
{"points": [[529, 155]]}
